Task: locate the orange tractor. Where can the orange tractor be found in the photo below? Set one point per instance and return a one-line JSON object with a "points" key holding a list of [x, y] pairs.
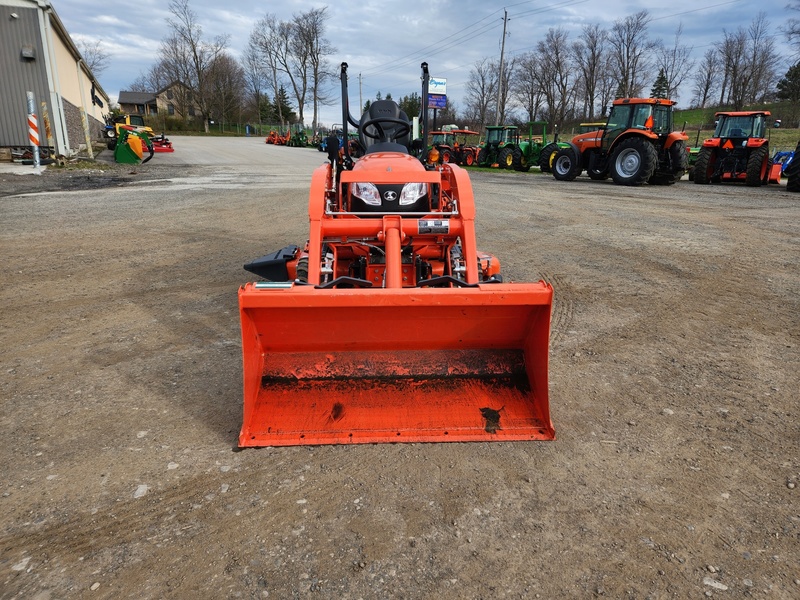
{"points": [[446, 147], [738, 151], [273, 137], [389, 325], [636, 146]]}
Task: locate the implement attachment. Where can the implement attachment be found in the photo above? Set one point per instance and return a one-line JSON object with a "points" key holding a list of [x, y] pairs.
{"points": [[394, 365]]}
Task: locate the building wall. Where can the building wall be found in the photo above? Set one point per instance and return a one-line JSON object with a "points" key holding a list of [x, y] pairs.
{"points": [[20, 75], [51, 70], [75, 85]]}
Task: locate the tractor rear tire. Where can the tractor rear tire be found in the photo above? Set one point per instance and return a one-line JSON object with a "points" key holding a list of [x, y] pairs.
{"points": [[633, 162], [505, 158], [566, 166], [757, 167], [447, 157], [520, 161], [547, 156], [705, 165]]}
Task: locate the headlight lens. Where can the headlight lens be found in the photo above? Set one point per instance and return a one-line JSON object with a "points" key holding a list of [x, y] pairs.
{"points": [[412, 192], [367, 193]]}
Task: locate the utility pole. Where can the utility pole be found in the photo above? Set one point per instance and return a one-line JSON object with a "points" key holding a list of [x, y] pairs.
{"points": [[360, 97], [502, 58]]}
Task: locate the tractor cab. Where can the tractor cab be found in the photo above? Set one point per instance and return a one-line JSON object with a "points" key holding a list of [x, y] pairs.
{"points": [[442, 138], [740, 126], [651, 117], [500, 135], [739, 151]]}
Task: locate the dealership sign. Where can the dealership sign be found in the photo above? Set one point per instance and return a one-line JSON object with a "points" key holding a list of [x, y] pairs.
{"points": [[437, 101], [437, 85]]}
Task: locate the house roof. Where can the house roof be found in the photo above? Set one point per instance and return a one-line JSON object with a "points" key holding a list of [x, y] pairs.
{"points": [[136, 98]]}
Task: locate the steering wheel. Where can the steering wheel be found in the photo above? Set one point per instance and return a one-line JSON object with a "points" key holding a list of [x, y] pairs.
{"points": [[405, 128]]}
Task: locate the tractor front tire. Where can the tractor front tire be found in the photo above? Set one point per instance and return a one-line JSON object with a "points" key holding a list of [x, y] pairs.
{"points": [[566, 166], [633, 162], [757, 167], [547, 156], [469, 158], [483, 158]]}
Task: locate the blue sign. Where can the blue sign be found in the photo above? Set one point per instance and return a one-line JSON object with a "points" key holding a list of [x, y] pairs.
{"points": [[437, 101]]}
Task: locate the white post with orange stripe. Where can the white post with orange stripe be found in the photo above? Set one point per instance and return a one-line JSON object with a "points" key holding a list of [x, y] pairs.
{"points": [[33, 130]]}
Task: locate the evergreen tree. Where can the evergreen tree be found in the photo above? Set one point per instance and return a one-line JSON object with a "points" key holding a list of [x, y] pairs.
{"points": [[411, 104], [660, 88], [789, 86]]}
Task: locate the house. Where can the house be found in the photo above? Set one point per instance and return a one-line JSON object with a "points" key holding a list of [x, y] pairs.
{"points": [[37, 55], [174, 99]]}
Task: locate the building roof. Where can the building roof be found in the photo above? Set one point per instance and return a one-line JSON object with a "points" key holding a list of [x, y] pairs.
{"points": [[136, 98]]}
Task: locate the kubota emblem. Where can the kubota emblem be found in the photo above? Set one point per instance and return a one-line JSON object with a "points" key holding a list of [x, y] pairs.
{"points": [[390, 196]]}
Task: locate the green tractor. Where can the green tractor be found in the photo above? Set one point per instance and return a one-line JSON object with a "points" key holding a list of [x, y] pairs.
{"points": [[501, 147], [299, 138], [533, 149]]}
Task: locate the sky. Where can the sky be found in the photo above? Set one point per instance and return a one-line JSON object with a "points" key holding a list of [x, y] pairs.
{"points": [[384, 41]]}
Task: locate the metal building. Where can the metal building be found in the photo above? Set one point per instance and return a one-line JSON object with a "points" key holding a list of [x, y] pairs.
{"points": [[37, 55]]}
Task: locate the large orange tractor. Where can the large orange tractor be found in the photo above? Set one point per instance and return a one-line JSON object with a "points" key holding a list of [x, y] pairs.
{"points": [[739, 151], [452, 147], [389, 325], [636, 146]]}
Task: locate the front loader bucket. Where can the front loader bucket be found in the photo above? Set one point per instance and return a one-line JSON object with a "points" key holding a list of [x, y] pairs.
{"points": [[341, 366]]}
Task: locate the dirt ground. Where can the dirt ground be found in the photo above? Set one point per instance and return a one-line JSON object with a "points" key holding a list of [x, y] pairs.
{"points": [[674, 378]]}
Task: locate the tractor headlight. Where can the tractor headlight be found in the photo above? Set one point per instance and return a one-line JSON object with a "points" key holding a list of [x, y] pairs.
{"points": [[367, 193], [412, 192]]}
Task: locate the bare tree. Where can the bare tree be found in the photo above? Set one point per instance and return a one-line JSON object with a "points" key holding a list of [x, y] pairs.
{"points": [[481, 91], [509, 66], [311, 43], [632, 51], [255, 80], [225, 81], [736, 74], [591, 58], [675, 62], [94, 56], [706, 78], [791, 27], [266, 37], [555, 74], [189, 56], [525, 87], [763, 59]]}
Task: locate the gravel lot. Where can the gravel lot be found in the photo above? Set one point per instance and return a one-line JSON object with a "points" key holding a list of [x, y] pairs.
{"points": [[673, 387]]}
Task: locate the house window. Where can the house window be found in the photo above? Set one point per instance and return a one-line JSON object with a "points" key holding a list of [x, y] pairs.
{"points": [[191, 111], [171, 109], [169, 94], [140, 109]]}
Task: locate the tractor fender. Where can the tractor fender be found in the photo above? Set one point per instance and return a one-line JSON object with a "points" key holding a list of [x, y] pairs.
{"points": [[675, 136], [712, 143], [575, 150], [757, 142], [626, 135]]}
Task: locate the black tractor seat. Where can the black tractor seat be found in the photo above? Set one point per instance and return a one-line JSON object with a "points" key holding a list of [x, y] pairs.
{"points": [[385, 128]]}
